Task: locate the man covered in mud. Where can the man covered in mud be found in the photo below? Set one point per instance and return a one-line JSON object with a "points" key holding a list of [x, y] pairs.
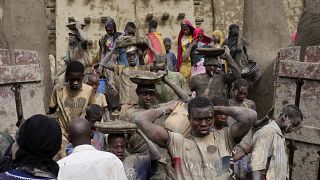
{"points": [[127, 88], [129, 30], [242, 154], [212, 83], [239, 94], [71, 99], [147, 100], [202, 154], [164, 92], [269, 159]]}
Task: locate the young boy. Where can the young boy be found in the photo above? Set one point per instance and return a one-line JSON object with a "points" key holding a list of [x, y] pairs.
{"points": [[171, 57], [93, 114], [72, 99], [93, 81], [136, 166]]}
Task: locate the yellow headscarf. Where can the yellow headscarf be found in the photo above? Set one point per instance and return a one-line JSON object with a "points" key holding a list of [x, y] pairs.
{"points": [[220, 35]]}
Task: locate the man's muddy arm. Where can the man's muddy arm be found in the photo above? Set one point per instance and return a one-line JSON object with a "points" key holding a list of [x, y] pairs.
{"points": [[264, 120], [235, 70], [182, 95], [245, 49], [243, 152], [106, 61], [154, 152], [155, 133], [106, 114], [260, 122], [244, 118]]}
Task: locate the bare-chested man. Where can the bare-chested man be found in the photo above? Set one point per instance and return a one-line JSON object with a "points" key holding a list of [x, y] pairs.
{"points": [[212, 83], [202, 154], [240, 92]]}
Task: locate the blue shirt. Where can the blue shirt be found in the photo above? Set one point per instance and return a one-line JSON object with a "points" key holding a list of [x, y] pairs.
{"points": [[122, 57], [172, 61]]}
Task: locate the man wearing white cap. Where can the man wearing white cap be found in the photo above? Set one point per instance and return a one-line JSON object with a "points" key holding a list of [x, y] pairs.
{"points": [[127, 89]]}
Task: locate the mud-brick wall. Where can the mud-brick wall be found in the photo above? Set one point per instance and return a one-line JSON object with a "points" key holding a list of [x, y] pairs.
{"points": [[168, 28], [232, 11], [207, 14], [51, 24], [204, 17], [293, 9], [228, 12], [50, 9], [1, 8], [122, 11]]}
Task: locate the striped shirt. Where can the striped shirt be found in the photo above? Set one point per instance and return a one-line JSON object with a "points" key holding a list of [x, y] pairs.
{"points": [[269, 147]]}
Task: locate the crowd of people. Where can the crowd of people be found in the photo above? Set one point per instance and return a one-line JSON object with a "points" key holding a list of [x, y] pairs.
{"points": [[193, 122]]}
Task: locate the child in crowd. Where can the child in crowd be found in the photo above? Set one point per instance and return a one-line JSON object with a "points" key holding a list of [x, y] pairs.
{"points": [[93, 81]]}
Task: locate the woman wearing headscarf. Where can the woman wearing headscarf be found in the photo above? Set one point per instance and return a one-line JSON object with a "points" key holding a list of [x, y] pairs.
{"points": [[106, 42], [200, 40], [218, 39], [217, 42], [184, 38], [38, 141]]}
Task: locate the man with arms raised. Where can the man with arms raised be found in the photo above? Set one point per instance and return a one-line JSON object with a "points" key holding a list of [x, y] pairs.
{"points": [[164, 92], [127, 88], [202, 154], [213, 83], [147, 100]]}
